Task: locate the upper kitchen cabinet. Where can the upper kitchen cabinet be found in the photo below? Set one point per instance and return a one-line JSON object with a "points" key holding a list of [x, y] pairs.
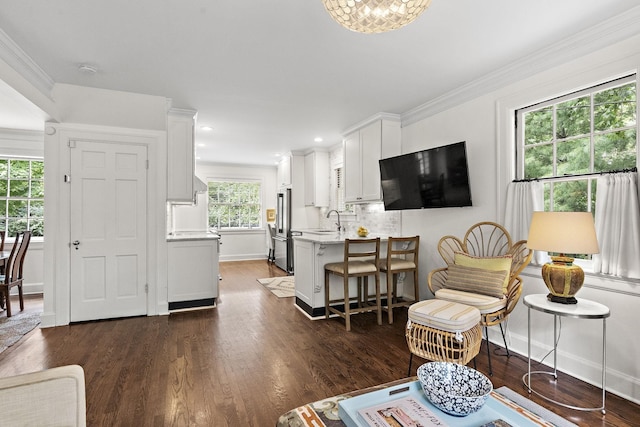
{"points": [[284, 171], [181, 155], [316, 179], [363, 148]]}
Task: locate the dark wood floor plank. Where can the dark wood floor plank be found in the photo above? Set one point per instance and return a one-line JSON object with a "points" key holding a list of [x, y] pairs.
{"points": [[250, 359]]}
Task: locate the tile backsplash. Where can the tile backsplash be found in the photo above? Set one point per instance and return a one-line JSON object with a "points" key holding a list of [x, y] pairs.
{"points": [[370, 215]]}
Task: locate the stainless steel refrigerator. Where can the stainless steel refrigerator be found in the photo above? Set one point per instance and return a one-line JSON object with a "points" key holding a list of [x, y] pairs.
{"points": [[283, 241]]}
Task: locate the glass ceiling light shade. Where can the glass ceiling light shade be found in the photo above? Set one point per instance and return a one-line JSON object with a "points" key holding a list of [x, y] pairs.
{"points": [[563, 233], [375, 16]]}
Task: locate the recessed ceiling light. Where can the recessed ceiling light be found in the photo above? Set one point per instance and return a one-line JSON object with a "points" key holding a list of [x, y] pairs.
{"points": [[207, 128], [318, 139], [202, 145]]}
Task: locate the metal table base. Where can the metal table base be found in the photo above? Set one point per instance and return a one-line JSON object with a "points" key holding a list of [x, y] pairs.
{"points": [[585, 309]]}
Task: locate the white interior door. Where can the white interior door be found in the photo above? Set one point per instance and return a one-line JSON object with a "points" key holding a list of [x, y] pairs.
{"points": [[108, 230]]}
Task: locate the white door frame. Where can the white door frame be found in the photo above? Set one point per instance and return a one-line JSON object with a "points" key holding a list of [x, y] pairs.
{"points": [[57, 215]]}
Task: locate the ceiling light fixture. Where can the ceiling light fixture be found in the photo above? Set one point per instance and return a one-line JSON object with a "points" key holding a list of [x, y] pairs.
{"points": [[207, 128], [375, 16], [317, 139]]}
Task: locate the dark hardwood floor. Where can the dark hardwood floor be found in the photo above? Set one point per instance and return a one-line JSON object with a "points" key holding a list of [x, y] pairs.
{"points": [[249, 360]]}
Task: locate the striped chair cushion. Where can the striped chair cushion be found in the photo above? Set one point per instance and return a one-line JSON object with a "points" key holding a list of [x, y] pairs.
{"points": [[476, 280], [484, 303], [497, 263], [444, 315]]}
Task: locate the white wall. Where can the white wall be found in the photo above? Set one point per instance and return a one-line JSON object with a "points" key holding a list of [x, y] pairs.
{"points": [[486, 123], [239, 244]]}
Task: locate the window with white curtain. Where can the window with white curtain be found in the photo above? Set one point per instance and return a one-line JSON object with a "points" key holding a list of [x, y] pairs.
{"points": [[567, 141]]}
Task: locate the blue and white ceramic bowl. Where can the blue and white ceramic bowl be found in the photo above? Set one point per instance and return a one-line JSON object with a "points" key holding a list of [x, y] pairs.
{"points": [[453, 388]]}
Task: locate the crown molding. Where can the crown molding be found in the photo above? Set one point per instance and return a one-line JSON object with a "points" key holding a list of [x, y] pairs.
{"points": [[604, 34], [369, 120], [22, 63]]}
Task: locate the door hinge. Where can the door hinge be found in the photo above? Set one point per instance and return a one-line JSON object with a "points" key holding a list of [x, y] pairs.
{"points": [[146, 288], [71, 144], [67, 178]]}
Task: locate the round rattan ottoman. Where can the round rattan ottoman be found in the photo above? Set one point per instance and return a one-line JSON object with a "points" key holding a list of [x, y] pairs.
{"points": [[443, 331]]}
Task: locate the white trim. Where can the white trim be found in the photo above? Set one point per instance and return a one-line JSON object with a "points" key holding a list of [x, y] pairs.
{"points": [[17, 58], [597, 37], [56, 309]]}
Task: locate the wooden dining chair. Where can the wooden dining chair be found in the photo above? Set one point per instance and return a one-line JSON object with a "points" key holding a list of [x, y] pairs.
{"points": [[3, 260], [12, 276]]}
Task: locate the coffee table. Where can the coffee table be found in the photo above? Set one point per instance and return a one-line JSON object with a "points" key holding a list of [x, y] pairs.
{"points": [[325, 412]]}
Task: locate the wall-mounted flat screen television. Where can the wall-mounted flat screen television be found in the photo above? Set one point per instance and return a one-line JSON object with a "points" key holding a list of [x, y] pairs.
{"points": [[433, 178]]}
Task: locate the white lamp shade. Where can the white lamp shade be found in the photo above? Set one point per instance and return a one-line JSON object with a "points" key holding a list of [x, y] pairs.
{"points": [[563, 232]]}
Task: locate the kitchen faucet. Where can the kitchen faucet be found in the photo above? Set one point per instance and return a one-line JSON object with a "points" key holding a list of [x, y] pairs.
{"points": [[340, 228]]}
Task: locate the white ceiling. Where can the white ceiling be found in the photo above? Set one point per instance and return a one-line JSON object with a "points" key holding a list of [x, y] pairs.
{"points": [[271, 75]]}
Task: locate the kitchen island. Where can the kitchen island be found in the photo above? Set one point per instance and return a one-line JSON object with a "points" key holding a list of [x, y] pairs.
{"points": [[312, 250], [193, 270]]}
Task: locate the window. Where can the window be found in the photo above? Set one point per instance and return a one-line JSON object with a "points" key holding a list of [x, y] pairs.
{"points": [[566, 142], [235, 204], [21, 196], [341, 206]]}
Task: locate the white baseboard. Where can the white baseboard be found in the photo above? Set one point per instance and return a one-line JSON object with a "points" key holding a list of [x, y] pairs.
{"points": [[616, 382]]}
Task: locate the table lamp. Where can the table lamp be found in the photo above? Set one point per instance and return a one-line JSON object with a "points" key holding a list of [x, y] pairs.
{"points": [[563, 233]]}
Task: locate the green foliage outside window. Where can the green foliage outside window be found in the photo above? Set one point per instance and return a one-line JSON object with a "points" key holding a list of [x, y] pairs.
{"points": [[22, 196], [234, 204], [593, 131]]}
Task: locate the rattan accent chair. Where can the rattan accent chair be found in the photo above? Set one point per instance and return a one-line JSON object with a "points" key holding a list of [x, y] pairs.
{"points": [[361, 260], [485, 240], [402, 257]]}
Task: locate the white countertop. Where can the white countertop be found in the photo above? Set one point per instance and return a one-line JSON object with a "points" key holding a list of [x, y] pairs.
{"points": [[333, 237], [181, 236]]}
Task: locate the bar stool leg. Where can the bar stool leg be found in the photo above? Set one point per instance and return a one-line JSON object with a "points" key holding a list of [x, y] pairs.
{"points": [[390, 279], [347, 308], [326, 293], [378, 299]]}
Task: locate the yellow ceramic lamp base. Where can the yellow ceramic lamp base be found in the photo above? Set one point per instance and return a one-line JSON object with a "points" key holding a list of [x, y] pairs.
{"points": [[563, 279]]}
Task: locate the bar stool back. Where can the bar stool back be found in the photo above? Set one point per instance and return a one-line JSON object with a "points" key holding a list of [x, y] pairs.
{"points": [[402, 257]]}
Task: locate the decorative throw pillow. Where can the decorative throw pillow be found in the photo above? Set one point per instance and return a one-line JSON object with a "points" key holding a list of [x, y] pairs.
{"points": [[475, 280], [498, 263]]}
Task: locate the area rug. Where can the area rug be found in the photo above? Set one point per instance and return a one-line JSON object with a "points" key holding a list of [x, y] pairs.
{"points": [[282, 287], [15, 327]]}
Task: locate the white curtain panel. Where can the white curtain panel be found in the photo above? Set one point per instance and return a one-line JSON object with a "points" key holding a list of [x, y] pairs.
{"points": [[617, 222], [523, 198]]}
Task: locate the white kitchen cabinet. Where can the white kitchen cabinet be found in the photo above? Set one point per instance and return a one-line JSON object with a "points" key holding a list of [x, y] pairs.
{"points": [[180, 155], [363, 149], [193, 272], [284, 172], [316, 179]]}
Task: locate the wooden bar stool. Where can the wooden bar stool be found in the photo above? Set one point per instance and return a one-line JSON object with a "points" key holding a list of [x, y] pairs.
{"points": [[402, 257], [361, 260]]}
